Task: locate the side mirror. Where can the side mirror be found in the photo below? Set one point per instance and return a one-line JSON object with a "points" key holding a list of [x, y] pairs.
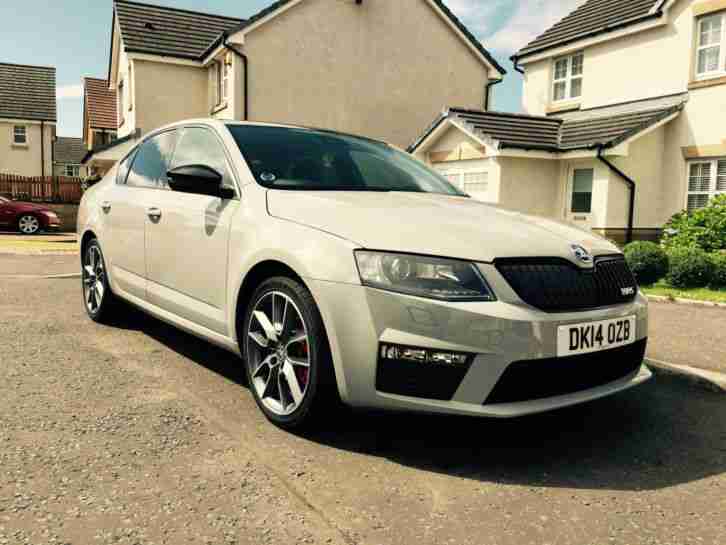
{"points": [[199, 179]]}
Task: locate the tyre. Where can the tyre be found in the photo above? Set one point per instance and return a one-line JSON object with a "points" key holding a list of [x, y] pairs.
{"points": [[286, 353], [28, 224], [98, 299]]}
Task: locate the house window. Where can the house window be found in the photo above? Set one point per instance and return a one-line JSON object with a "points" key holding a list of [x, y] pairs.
{"points": [[582, 182], [74, 171], [20, 135], [711, 49], [471, 180], [706, 179], [121, 103], [225, 81], [131, 88], [568, 77]]}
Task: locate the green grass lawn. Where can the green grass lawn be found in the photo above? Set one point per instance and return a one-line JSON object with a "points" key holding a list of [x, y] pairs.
{"points": [[700, 294]]}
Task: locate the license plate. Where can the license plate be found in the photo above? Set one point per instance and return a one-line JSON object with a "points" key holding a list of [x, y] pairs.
{"points": [[590, 337]]}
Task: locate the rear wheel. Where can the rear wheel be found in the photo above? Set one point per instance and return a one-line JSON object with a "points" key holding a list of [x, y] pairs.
{"points": [[287, 358], [98, 299], [28, 224]]}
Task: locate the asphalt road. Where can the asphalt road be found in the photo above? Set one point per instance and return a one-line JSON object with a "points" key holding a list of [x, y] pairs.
{"points": [[140, 434]]}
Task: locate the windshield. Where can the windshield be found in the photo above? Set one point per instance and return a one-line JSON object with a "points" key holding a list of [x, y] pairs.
{"points": [[306, 159]]}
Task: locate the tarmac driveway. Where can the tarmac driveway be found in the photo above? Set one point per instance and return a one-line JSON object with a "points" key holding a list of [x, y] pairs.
{"points": [[141, 434]]}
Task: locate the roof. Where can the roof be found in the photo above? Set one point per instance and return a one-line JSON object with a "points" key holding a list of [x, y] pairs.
{"points": [[100, 104], [592, 18], [584, 130], [27, 92], [169, 32], [439, 3], [69, 150]]}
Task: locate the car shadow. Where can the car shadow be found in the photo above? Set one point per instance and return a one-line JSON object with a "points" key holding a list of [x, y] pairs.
{"points": [[657, 435]]}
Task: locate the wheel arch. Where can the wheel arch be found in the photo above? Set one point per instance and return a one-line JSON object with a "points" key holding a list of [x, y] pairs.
{"points": [[269, 268], [87, 237]]}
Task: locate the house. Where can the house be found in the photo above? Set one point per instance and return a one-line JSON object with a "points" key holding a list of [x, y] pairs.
{"points": [[100, 122], [371, 67], [27, 119], [625, 120], [67, 156]]}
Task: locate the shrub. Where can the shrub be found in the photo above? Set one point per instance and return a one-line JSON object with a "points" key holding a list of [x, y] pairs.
{"points": [[647, 260], [719, 270], [704, 228], [689, 268]]}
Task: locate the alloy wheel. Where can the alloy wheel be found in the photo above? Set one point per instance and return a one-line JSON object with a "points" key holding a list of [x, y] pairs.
{"points": [[94, 277], [29, 225], [278, 353]]}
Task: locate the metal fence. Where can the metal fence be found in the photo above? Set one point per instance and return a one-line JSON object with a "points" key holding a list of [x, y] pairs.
{"points": [[52, 189]]}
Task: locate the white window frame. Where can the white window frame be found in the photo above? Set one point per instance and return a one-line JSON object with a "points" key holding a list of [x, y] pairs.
{"points": [[717, 184], [121, 102], [75, 171], [568, 78], [721, 44], [457, 175], [225, 80], [17, 131]]}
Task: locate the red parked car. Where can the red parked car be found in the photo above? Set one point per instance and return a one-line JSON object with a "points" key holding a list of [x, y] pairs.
{"points": [[27, 218]]}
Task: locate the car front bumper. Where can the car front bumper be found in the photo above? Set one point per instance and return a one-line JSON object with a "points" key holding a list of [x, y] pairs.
{"points": [[358, 319]]}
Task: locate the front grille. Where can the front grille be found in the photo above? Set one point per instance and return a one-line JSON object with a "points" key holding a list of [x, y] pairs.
{"points": [[556, 285], [539, 379]]}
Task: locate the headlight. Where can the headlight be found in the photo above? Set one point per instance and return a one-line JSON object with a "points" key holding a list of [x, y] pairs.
{"points": [[432, 277]]}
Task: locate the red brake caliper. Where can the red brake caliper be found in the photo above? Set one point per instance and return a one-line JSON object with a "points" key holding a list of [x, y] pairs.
{"points": [[303, 373]]}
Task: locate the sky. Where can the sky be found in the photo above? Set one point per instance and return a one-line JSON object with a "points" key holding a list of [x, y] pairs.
{"points": [[74, 36]]}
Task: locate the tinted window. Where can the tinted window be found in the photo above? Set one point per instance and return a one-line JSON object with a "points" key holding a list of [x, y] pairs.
{"points": [[152, 161], [287, 158], [123, 168], [199, 146]]}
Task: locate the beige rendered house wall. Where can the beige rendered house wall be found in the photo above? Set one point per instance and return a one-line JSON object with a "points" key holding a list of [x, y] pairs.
{"points": [[530, 185], [381, 69], [166, 93], [26, 160]]}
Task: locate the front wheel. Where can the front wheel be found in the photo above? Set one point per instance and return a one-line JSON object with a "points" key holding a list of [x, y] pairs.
{"points": [[286, 352], [28, 224]]}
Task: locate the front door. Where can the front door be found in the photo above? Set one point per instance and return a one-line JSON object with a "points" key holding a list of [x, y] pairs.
{"points": [[579, 205], [187, 244]]}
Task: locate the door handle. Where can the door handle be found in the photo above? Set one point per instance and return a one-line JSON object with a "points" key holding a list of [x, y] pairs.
{"points": [[154, 214], [106, 206]]}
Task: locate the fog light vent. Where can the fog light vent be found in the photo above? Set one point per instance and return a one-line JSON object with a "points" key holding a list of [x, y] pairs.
{"points": [[423, 355], [420, 372]]}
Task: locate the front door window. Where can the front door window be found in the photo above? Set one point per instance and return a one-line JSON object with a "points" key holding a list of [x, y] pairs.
{"points": [[582, 191]]}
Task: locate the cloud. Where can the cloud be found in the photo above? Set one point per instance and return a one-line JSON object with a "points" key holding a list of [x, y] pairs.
{"points": [[530, 19], [477, 15], [69, 91]]}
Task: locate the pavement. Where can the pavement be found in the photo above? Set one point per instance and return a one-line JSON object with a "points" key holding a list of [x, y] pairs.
{"points": [[686, 334], [140, 434], [41, 244]]}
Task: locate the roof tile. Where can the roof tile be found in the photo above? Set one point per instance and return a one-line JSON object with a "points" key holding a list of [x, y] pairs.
{"points": [[100, 104], [171, 32], [27, 92], [590, 18], [69, 150]]}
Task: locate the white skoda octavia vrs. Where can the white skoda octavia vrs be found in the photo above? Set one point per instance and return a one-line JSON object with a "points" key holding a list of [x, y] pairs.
{"points": [[340, 268]]}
